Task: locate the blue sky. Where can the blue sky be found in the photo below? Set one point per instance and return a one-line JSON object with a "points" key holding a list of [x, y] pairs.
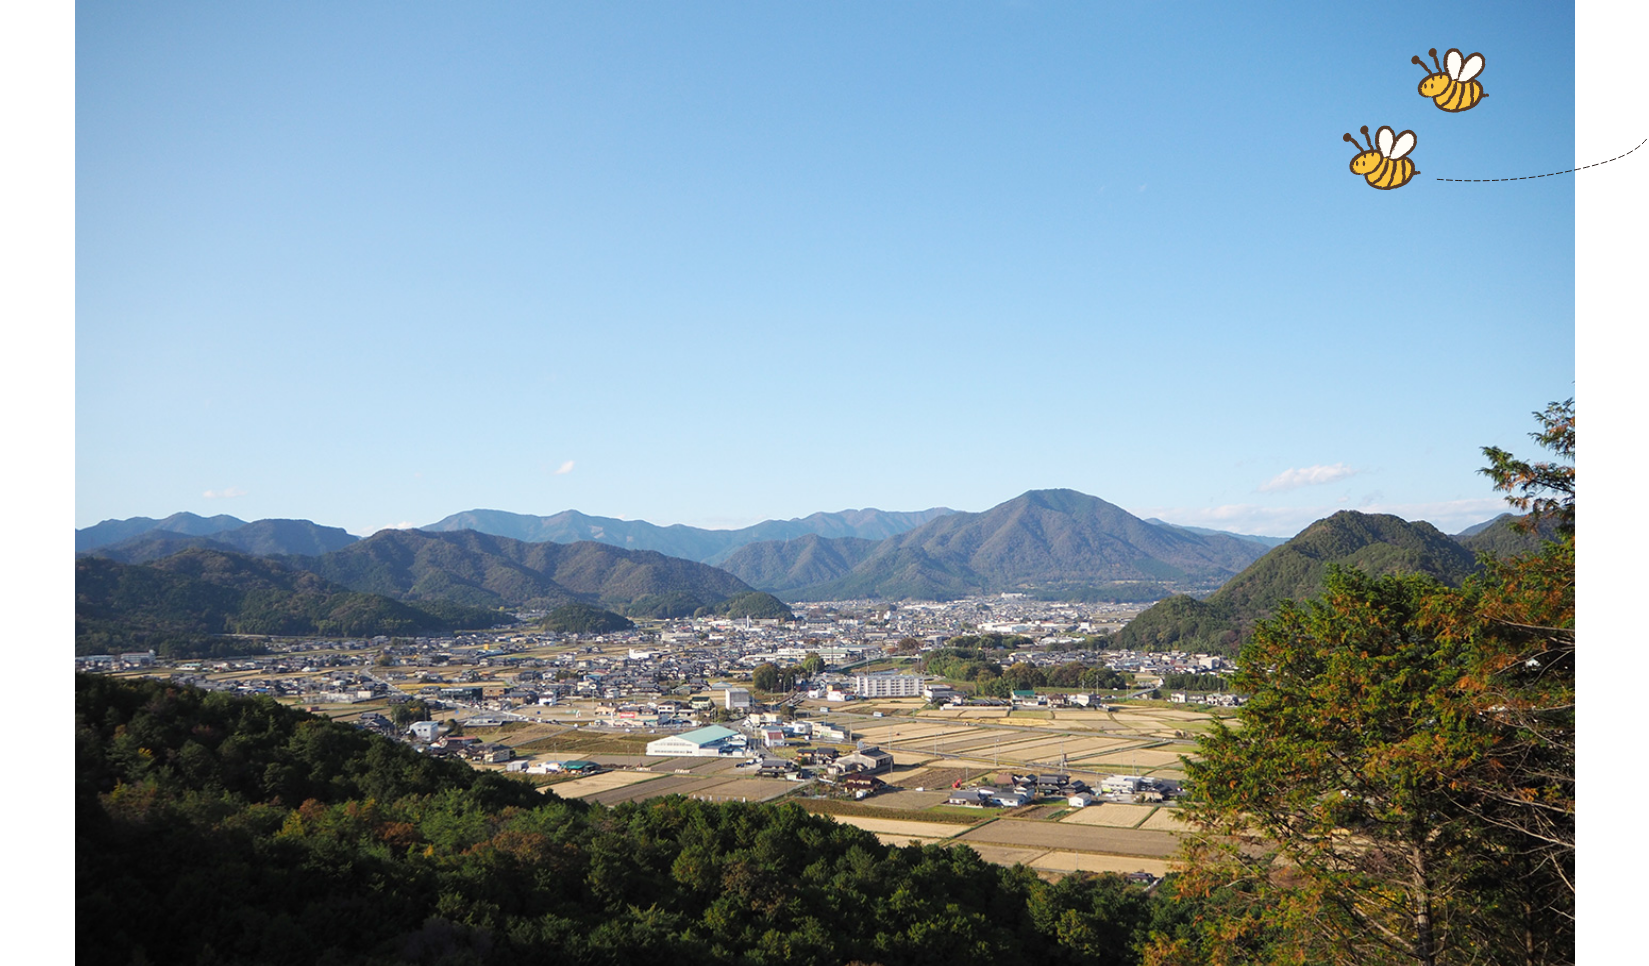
{"points": [[712, 264]]}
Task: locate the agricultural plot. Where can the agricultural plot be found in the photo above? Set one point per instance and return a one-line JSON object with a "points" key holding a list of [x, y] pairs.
{"points": [[903, 799], [905, 732], [1088, 862], [1142, 758], [1007, 855], [1166, 820], [1052, 748], [1074, 838], [904, 828], [935, 777], [752, 789], [580, 787], [1112, 814]]}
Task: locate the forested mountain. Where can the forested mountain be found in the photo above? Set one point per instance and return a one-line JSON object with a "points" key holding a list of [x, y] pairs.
{"points": [[179, 605], [211, 828], [261, 538], [783, 565], [689, 543], [1503, 536], [1376, 543], [114, 531], [1267, 542], [1048, 541], [483, 570]]}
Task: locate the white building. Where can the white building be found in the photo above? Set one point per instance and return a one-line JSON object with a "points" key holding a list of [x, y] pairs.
{"points": [[888, 685], [709, 742], [737, 698]]}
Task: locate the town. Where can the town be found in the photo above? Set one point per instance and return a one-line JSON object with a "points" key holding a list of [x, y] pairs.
{"points": [[832, 710]]}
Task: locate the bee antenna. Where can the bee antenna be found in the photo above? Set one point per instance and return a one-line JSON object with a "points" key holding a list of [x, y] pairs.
{"points": [[1433, 53], [1416, 60], [1364, 129], [1348, 137]]}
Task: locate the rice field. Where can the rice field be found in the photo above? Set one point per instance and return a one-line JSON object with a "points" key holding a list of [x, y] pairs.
{"points": [[1112, 814], [933, 831], [579, 787]]}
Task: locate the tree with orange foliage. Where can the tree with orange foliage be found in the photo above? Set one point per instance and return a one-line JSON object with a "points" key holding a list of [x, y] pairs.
{"points": [[1400, 788]]}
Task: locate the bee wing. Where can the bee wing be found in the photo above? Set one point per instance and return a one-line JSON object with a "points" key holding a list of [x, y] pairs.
{"points": [[1471, 68], [1452, 61], [1403, 145], [1384, 140]]}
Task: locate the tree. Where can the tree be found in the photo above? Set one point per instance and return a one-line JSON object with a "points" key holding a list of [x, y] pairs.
{"points": [[1543, 488], [1339, 777], [1401, 786], [765, 677]]}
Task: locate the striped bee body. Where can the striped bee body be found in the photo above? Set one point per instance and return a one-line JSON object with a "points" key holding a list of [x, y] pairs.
{"points": [[1392, 173], [1459, 96]]}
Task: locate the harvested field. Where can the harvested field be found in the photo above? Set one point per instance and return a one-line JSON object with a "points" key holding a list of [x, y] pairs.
{"points": [[1073, 838], [906, 799], [1086, 862], [682, 764], [659, 787], [1172, 715], [901, 841], [1006, 855], [1144, 758], [1038, 812], [753, 789], [892, 826], [1166, 820], [579, 787], [908, 757], [934, 777], [1112, 814]]}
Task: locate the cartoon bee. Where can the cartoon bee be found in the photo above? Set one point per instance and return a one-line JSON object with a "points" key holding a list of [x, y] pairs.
{"points": [[1452, 87], [1386, 167]]}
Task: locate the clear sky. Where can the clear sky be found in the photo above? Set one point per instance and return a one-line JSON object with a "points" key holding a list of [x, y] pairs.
{"points": [[710, 264]]}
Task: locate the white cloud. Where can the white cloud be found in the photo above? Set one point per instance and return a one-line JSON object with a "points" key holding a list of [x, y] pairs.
{"points": [[1306, 476], [565, 468], [228, 494]]}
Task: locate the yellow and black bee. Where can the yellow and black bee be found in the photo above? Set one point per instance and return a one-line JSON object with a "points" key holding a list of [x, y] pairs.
{"points": [[1452, 87], [1384, 167]]}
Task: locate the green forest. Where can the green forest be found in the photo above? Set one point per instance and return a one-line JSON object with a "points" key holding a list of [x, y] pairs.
{"points": [[219, 829]]}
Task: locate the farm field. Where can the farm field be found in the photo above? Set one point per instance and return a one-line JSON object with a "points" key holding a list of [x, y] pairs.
{"points": [[580, 787], [1112, 814], [1063, 836], [933, 831]]}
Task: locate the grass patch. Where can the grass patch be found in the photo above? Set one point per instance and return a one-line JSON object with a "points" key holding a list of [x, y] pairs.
{"points": [[571, 743], [1044, 715]]}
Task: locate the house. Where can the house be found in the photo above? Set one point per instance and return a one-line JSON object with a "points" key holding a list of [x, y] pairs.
{"points": [[737, 698], [972, 797], [1080, 800], [425, 730], [869, 760]]}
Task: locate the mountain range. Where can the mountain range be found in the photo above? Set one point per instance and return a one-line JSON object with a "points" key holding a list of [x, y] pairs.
{"points": [[483, 570], [1056, 542], [678, 540], [178, 605]]}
